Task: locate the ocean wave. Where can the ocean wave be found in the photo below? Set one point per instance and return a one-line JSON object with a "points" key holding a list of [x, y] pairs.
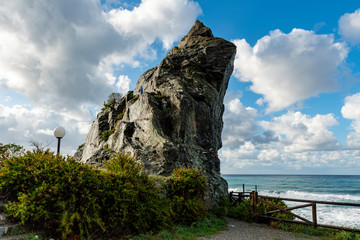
{"points": [[313, 196], [332, 215]]}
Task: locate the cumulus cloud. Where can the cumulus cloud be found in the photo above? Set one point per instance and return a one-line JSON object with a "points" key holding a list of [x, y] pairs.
{"points": [[51, 50], [64, 56], [61, 53], [287, 68], [304, 133], [239, 124], [147, 20], [291, 141], [351, 111], [123, 83], [349, 27], [20, 125]]}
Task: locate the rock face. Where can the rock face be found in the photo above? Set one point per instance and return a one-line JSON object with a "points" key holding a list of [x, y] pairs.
{"points": [[173, 118]]}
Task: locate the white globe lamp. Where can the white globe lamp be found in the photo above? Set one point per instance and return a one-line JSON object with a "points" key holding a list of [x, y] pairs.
{"points": [[59, 133]]}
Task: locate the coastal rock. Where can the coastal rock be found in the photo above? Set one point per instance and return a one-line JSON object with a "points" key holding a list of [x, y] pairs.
{"points": [[173, 118]]}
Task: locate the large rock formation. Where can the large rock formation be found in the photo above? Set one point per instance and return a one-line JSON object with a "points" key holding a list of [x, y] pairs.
{"points": [[173, 118]]}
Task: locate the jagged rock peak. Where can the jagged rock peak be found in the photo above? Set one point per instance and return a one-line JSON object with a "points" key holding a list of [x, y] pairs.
{"points": [[173, 118], [200, 29]]}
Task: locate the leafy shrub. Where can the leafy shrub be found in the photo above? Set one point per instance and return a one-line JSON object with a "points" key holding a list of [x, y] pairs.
{"points": [[121, 115], [53, 193], [22, 173], [131, 202], [134, 99], [105, 135], [160, 96], [263, 208], [243, 211], [73, 199], [186, 188]]}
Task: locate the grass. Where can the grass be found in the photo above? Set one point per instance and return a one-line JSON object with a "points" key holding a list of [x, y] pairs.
{"points": [[33, 237], [209, 226], [324, 233]]}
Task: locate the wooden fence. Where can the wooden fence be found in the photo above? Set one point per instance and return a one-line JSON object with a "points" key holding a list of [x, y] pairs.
{"points": [[255, 198]]}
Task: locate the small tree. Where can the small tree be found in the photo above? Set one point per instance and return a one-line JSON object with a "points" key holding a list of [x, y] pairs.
{"points": [[113, 98], [9, 150]]}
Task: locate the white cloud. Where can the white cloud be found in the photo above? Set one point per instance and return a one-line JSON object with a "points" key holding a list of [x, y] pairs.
{"points": [[304, 133], [21, 125], [268, 154], [64, 58], [239, 125], [61, 53], [351, 111], [147, 20], [123, 84], [292, 141], [287, 68], [349, 27], [45, 131], [50, 51]]}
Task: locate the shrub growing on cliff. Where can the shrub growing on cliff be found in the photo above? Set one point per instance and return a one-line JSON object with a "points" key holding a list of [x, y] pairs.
{"points": [[186, 189]]}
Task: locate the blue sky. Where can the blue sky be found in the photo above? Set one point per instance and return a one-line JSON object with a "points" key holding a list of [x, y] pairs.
{"points": [[292, 106]]}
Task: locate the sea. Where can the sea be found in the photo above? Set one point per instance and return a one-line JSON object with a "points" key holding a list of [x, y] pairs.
{"points": [[335, 188]]}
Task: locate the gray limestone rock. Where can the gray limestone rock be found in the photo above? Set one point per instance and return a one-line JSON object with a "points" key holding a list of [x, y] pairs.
{"points": [[173, 118]]}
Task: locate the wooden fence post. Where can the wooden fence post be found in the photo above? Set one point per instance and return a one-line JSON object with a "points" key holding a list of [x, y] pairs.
{"points": [[314, 214], [254, 197]]}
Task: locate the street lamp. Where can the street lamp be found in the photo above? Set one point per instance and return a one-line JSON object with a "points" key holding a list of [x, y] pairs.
{"points": [[59, 133]]}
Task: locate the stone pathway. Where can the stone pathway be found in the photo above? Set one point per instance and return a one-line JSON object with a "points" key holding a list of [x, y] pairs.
{"points": [[252, 231]]}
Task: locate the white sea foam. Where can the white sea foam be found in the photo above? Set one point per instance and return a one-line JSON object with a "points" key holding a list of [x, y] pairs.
{"points": [[235, 190], [314, 196], [327, 214]]}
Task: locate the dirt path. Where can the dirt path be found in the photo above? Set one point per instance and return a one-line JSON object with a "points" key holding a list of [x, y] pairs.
{"points": [[252, 231]]}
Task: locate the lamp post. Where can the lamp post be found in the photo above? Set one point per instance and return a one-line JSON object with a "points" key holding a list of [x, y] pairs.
{"points": [[59, 133]]}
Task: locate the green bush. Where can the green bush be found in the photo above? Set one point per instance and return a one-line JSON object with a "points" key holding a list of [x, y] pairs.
{"points": [[243, 211], [69, 198], [25, 172], [186, 188], [53, 193], [106, 134], [263, 208], [131, 201], [160, 96]]}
